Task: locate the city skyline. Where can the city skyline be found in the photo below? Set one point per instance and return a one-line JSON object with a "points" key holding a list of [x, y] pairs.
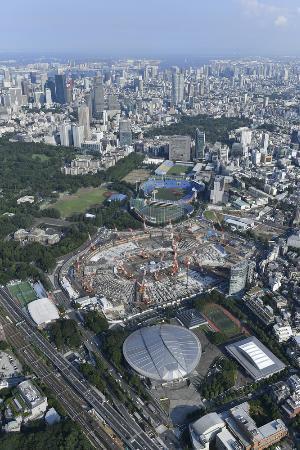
{"points": [[216, 28]]}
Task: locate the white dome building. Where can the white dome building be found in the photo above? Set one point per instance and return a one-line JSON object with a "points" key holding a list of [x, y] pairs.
{"points": [[163, 352]]}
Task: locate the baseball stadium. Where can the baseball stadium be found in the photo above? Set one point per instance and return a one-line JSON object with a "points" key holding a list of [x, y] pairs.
{"points": [[165, 200]]}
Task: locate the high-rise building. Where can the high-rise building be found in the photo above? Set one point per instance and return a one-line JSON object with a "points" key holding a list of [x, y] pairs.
{"points": [[180, 148], [217, 194], [48, 96], [16, 96], [25, 87], [125, 132], [113, 103], [61, 88], [199, 144], [78, 135], [50, 84], [84, 120], [98, 98], [239, 277], [177, 88], [65, 133]]}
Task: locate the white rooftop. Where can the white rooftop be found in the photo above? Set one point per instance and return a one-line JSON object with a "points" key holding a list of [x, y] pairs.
{"points": [[43, 311], [257, 356]]}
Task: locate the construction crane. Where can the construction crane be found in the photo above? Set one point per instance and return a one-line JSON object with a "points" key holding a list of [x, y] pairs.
{"points": [[187, 263], [172, 231], [175, 266]]}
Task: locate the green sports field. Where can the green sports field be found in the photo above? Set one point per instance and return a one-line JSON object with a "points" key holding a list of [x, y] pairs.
{"points": [[79, 202], [170, 194], [217, 316], [23, 292], [178, 169]]}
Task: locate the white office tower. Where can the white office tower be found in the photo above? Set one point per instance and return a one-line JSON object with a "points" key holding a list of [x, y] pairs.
{"points": [[177, 88], [16, 96], [217, 193], [246, 136], [48, 97], [39, 97], [84, 120], [256, 157], [266, 102], [265, 141], [78, 135], [87, 84], [65, 132], [104, 117]]}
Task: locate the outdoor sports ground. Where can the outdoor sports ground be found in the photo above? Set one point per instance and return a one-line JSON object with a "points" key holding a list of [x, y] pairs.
{"points": [[23, 292], [222, 321], [178, 169], [171, 194], [79, 202]]}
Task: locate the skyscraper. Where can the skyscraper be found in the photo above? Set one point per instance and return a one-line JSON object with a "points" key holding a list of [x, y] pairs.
{"points": [[78, 135], [48, 97], [199, 144], [238, 277], [180, 148], [84, 120], [50, 84], [98, 98], [125, 132], [65, 133], [61, 89], [177, 88]]}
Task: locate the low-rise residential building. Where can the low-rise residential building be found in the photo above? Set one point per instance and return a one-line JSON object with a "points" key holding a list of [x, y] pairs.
{"points": [[264, 312], [283, 331], [35, 402]]}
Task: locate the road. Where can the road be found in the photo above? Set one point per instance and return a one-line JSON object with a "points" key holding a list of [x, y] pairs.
{"points": [[157, 418], [128, 431], [76, 408]]}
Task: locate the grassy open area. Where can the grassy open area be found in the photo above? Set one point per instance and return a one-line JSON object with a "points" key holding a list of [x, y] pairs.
{"points": [[23, 292], [79, 202], [219, 318], [137, 175], [214, 216], [170, 194], [178, 169]]}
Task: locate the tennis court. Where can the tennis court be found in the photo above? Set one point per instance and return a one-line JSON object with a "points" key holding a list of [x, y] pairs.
{"points": [[23, 292]]}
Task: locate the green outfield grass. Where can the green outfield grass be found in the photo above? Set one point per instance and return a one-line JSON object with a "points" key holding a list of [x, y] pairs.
{"points": [[170, 194], [79, 202], [217, 316], [178, 169], [23, 292]]}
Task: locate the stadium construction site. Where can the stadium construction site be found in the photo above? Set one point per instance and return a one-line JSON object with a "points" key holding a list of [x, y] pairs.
{"points": [[138, 270]]}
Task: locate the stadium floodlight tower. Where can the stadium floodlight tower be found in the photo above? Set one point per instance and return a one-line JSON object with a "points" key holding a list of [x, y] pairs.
{"points": [[154, 192]]}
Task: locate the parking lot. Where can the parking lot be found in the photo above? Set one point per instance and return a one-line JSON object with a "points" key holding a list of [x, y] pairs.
{"points": [[9, 365]]}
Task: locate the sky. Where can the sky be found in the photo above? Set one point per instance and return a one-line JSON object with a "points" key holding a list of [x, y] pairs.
{"points": [[153, 28]]}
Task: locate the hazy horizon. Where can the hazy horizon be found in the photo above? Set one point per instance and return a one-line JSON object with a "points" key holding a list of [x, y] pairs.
{"points": [[231, 28]]}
